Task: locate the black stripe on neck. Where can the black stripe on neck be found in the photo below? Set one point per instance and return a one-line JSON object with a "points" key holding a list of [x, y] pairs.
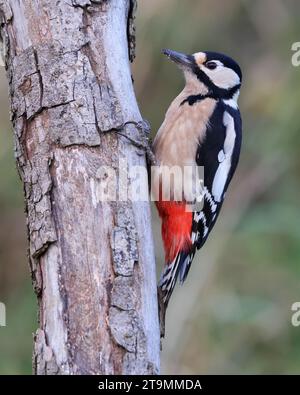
{"points": [[193, 99], [226, 95]]}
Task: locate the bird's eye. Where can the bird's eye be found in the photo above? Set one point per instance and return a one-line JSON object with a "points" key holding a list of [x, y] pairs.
{"points": [[211, 65]]}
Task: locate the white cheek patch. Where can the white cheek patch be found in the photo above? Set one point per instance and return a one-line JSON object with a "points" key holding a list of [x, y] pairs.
{"points": [[223, 77], [224, 158]]}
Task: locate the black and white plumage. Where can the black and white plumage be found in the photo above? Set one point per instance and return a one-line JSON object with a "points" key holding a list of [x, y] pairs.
{"points": [[219, 154], [203, 127]]}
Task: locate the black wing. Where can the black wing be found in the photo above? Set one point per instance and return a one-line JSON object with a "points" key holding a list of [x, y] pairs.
{"points": [[219, 154]]}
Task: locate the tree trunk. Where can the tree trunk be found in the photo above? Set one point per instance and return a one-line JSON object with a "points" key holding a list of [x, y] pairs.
{"points": [[92, 262]]}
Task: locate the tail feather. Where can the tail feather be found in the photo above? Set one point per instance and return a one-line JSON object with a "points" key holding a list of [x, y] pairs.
{"points": [[179, 267], [171, 272], [186, 266]]}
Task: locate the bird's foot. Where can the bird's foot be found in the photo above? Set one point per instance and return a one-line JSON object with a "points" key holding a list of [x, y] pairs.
{"points": [[144, 142]]}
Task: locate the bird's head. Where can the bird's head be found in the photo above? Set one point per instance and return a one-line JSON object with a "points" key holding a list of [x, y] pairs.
{"points": [[219, 75]]}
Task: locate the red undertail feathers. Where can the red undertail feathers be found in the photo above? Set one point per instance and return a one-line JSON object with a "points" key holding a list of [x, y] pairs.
{"points": [[176, 228]]}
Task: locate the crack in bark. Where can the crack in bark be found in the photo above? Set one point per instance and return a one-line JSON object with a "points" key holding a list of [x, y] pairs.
{"points": [[40, 77], [131, 29]]}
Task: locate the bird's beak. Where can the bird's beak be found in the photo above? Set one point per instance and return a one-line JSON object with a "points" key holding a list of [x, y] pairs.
{"points": [[179, 58]]}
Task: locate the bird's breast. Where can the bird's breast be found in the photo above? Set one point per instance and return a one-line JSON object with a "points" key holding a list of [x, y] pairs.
{"points": [[176, 144], [183, 129]]}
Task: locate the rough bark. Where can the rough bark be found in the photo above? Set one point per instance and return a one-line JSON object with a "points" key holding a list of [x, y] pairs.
{"points": [[92, 262]]}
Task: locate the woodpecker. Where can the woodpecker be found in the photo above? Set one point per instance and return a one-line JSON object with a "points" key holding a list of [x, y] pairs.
{"points": [[202, 127]]}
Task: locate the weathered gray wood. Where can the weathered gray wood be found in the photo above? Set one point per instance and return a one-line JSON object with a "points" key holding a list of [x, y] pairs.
{"points": [[92, 262]]}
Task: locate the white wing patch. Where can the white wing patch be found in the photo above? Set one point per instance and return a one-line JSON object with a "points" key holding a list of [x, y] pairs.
{"points": [[210, 200], [199, 216], [224, 158]]}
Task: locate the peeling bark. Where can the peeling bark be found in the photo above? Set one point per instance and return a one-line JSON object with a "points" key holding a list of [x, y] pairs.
{"points": [[92, 262]]}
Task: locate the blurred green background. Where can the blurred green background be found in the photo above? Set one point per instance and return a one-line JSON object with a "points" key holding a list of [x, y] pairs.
{"points": [[233, 315]]}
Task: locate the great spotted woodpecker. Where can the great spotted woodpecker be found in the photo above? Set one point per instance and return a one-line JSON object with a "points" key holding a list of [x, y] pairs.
{"points": [[202, 127]]}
